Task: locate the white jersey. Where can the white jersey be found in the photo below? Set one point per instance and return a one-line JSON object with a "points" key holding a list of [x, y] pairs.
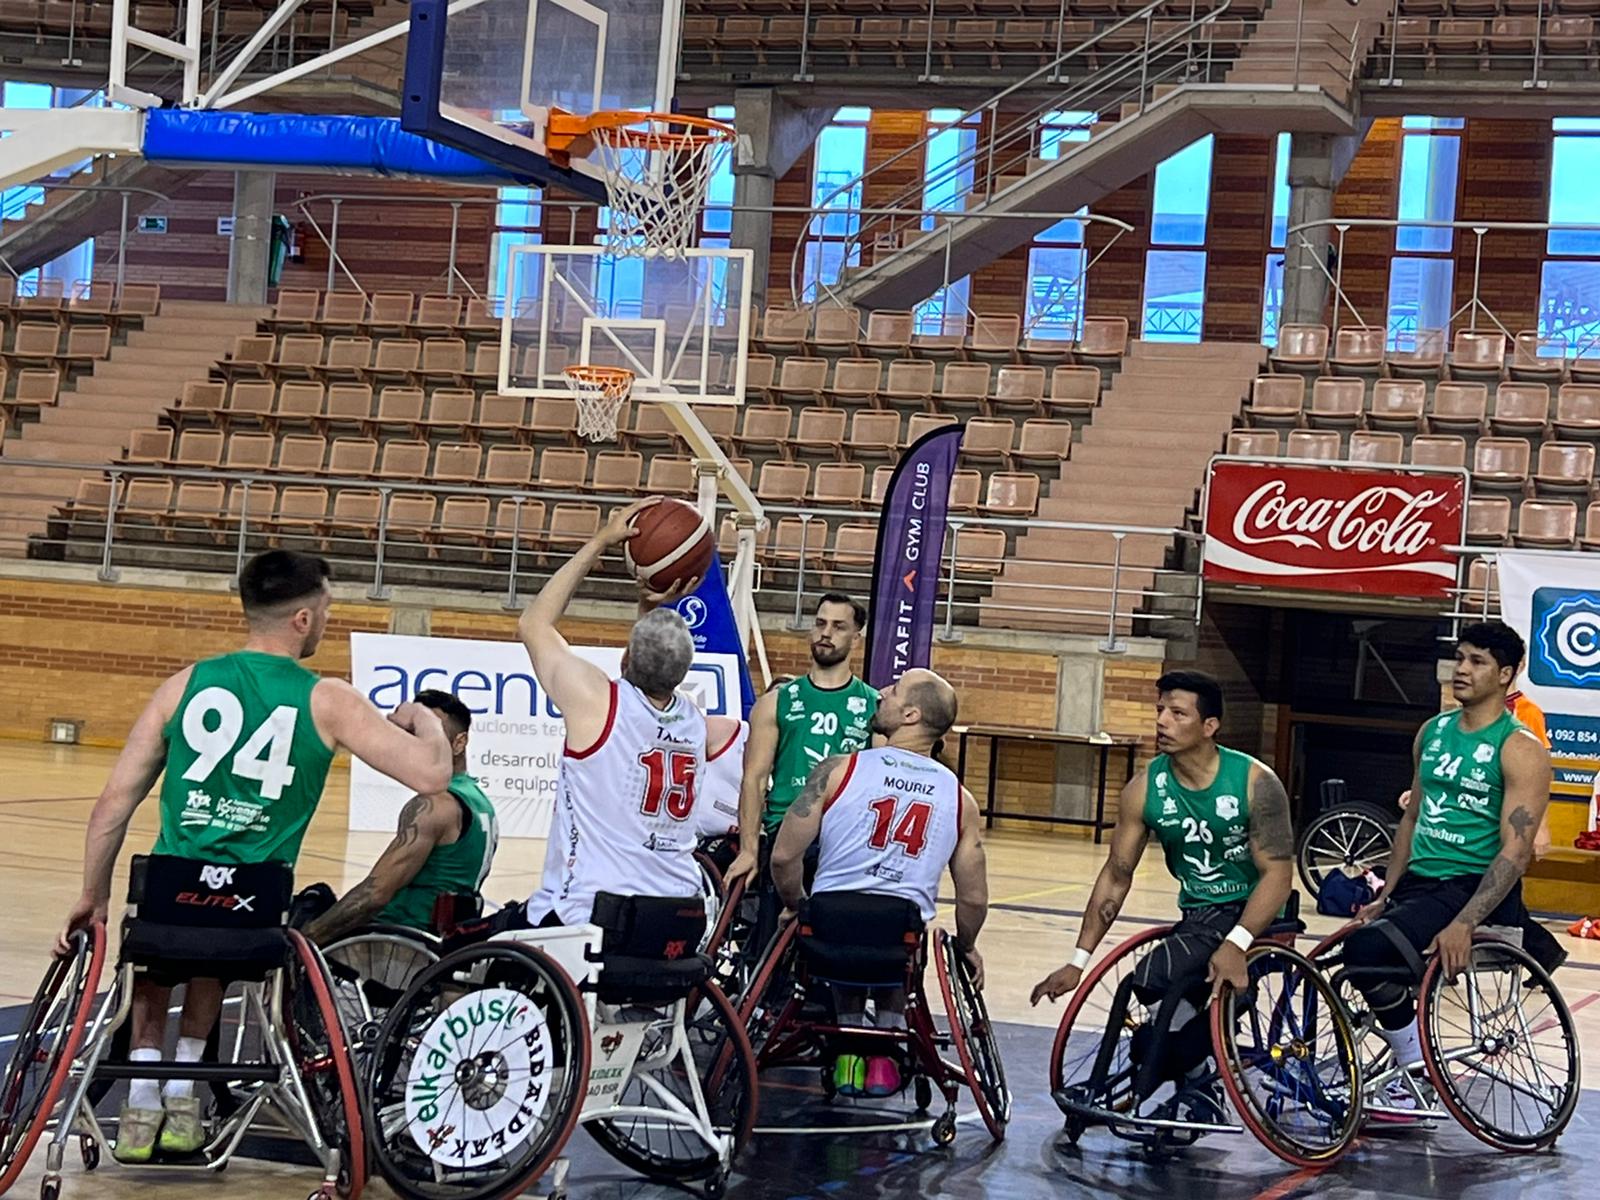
{"points": [[716, 810], [624, 812], [890, 828]]}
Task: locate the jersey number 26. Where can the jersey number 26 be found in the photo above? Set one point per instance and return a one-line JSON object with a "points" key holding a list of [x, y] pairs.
{"points": [[669, 782]]}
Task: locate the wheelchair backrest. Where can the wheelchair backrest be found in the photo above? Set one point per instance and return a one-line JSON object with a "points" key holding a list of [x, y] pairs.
{"points": [[659, 927], [451, 910], [167, 890], [859, 939]]}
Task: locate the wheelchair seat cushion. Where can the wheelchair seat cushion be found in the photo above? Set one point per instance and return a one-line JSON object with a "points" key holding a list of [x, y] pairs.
{"points": [[859, 938], [647, 948]]}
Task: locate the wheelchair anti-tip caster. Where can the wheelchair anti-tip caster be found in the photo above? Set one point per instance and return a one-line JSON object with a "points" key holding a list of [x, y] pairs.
{"points": [[89, 1149], [944, 1129]]}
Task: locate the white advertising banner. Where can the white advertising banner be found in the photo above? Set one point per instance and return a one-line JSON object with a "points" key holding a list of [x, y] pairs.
{"points": [[1553, 600], [517, 733]]}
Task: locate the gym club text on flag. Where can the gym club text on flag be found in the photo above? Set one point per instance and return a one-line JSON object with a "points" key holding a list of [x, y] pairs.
{"points": [[905, 573]]}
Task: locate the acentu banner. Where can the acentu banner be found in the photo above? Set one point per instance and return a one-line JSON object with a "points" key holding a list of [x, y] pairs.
{"points": [[905, 575], [1333, 529]]}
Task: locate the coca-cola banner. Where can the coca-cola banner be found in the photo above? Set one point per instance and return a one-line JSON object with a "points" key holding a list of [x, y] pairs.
{"points": [[1333, 529]]}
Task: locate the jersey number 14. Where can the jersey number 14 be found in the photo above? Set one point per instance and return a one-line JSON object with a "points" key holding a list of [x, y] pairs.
{"points": [[907, 829], [668, 783]]}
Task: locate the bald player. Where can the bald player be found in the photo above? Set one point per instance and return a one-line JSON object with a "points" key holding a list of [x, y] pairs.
{"points": [[889, 819]]}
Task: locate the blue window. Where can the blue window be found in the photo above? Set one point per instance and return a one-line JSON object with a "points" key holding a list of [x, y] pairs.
{"points": [[1272, 282], [74, 264], [839, 156], [1569, 286], [516, 223], [1057, 262], [717, 215], [1272, 299], [1174, 295], [1422, 271], [1280, 191], [947, 182], [1420, 301], [1175, 280]]}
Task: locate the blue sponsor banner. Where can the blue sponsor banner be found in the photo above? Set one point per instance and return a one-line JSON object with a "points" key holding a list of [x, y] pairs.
{"points": [[709, 614], [905, 575], [1564, 638]]}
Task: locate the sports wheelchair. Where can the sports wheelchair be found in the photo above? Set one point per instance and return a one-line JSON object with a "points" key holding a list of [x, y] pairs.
{"points": [[856, 940], [1282, 1052], [1499, 1048], [190, 919], [496, 1053], [732, 916]]}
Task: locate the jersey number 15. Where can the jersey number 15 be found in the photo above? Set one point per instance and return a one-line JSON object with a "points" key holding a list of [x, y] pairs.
{"points": [[669, 782]]}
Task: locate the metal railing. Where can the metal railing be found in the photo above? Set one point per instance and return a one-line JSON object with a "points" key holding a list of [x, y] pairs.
{"points": [[386, 551], [338, 203], [122, 224], [1418, 328], [1549, 46]]}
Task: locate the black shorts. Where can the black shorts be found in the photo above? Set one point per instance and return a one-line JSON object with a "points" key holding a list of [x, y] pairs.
{"points": [[1419, 909], [1184, 955]]}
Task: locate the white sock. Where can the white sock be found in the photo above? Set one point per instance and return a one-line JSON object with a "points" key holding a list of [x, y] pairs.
{"points": [[1406, 1044], [144, 1093], [189, 1051]]}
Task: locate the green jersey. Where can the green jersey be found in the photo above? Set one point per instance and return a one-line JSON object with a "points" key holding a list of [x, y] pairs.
{"points": [[461, 866], [1205, 834], [245, 763], [813, 724], [1463, 790]]}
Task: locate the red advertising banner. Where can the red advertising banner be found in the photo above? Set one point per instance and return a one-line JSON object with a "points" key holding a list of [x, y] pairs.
{"points": [[1327, 529]]}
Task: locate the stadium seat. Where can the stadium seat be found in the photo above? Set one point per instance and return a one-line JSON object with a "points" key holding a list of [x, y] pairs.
{"points": [[766, 427], [299, 405], [1521, 408], [888, 334], [246, 451], [802, 381], [394, 361], [1011, 494], [399, 411], [450, 411], [344, 310], [1577, 411], [855, 381], [203, 448], [390, 311], [838, 329], [437, 316], [1043, 443], [1357, 350], [1591, 527], [793, 537], [783, 331], [1074, 392], [1302, 349], [670, 475], [988, 440], [854, 549], [994, 337], [1372, 447], [1020, 389], [783, 483], [839, 483], [874, 435], [760, 370], [966, 491], [1103, 341], [1254, 443], [349, 407], [502, 416], [979, 549], [1313, 443], [1565, 468], [1500, 463], [1458, 408], [1478, 355], [964, 388], [1276, 400], [908, 384], [302, 454], [351, 456], [348, 358], [563, 469], [1423, 358], [1547, 524], [1336, 403], [1536, 359], [616, 472], [149, 446], [1398, 404], [250, 403], [1488, 520], [820, 432], [572, 523], [457, 462], [1482, 592], [921, 423], [554, 419], [201, 398]]}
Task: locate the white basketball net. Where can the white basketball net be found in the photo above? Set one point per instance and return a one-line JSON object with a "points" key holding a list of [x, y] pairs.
{"points": [[657, 170], [600, 393]]}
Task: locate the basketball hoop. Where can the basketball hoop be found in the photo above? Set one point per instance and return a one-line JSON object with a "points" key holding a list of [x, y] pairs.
{"points": [[600, 393], [657, 168]]}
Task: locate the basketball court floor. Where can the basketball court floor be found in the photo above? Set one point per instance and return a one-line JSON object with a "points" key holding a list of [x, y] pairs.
{"points": [[1038, 884]]}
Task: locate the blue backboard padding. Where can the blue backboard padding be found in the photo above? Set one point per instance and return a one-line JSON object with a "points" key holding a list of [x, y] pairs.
{"points": [[312, 142]]}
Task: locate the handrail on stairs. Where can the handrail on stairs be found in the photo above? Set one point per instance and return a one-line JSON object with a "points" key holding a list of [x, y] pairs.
{"points": [[1074, 97]]}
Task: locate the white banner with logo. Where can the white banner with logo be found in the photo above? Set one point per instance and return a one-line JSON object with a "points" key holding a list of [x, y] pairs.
{"points": [[1553, 600], [517, 732]]}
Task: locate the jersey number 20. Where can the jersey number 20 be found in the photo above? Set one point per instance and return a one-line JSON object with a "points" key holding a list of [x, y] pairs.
{"points": [[909, 832], [669, 782]]}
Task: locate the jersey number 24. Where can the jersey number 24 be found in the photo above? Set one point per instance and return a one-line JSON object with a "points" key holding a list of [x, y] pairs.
{"points": [[669, 783]]}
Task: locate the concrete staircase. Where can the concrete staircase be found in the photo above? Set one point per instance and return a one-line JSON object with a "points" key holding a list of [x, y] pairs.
{"points": [[95, 412], [1115, 154], [66, 216], [1141, 462], [1332, 34]]}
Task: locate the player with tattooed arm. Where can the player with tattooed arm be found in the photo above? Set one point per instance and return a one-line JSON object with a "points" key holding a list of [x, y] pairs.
{"points": [[1483, 779], [1222, 819], [443, 845]]}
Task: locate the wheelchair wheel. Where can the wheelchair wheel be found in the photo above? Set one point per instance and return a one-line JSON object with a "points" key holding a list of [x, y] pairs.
{"points": [[1084, 1024], [322, 1057], [728, 944], [371, 971], [725, 1068], [973, 1035], [479, 1075], [1500, 1048], [1354, 838], [1288, 1058], [41, 1058]]}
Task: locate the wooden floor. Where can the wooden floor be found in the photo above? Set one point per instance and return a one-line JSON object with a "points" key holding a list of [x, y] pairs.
{"points": [[1038, 883]]}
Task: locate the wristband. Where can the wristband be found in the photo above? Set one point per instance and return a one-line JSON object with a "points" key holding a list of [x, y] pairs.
{"points": [[1241, 937], [1080, 957]]}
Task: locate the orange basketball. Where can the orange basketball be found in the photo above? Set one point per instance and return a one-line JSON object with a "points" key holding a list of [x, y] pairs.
{"points": [[674, 542]]}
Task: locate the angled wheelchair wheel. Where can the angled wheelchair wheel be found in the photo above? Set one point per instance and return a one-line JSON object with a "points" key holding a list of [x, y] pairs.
{"points": [[51, 1036], [1353, 838], [728, 944], [973, 1035], [771, 989], [1501, 1048], [1288, 1058], [725, 1076], [371, 970], [479, 1075], [322, 1056], [1083, 1031]]}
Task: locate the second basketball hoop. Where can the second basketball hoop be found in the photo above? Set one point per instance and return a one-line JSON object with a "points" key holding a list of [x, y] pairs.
{"points": [[657, 169]]}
